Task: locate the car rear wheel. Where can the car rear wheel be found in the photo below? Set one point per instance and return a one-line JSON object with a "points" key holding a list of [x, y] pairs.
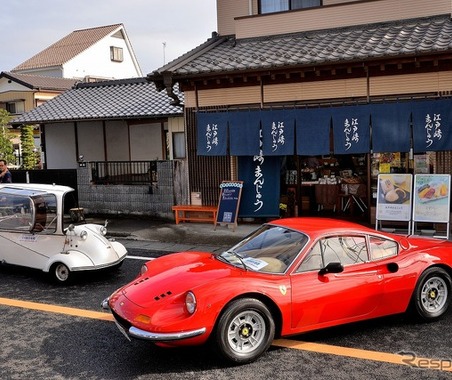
{"points": [[60, 273], [244, 331], [432, 294]]}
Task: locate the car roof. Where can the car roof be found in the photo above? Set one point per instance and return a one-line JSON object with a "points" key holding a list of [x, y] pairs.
{"points": [[319, 225], [38, 187]]}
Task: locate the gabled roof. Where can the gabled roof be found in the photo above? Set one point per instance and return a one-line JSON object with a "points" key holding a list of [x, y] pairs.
{"points": [[404, 38], [114, 100], [68, 47], [37, 82]]}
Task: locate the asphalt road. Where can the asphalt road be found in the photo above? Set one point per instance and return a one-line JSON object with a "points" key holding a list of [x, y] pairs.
{"points": [[40, 341]]}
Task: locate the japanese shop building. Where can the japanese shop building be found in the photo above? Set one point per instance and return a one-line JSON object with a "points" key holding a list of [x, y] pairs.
{"points": [[292, 92]]}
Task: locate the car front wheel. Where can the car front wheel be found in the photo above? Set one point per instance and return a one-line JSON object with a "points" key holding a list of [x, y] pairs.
{"points": [[60, 273], [244, 331], [432, 294]]}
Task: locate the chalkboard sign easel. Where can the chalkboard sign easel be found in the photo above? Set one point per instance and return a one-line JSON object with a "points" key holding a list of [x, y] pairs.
{"points": [[228, 204]]}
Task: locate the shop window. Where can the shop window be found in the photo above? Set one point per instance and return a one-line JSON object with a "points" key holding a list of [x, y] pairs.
{"points": [[179, 145], [116, 54], [270, 6]]}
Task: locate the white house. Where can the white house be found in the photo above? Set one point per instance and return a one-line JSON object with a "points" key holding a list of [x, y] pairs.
{"points": [[92, 54]]}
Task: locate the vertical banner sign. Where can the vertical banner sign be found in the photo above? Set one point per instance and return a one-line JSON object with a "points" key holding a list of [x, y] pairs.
{"points": [[394, 197], [261, 191], [278, 133], [431, 198], [351, 130], [228, 204], [212, 133], [431, 125]]}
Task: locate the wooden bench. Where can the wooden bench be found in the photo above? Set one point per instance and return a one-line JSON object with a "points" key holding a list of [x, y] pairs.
{"points": [[194, 213]]}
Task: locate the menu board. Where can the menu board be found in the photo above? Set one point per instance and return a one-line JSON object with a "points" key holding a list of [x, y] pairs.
{"points": [[431, 198], [394, 197], [228, 204]]}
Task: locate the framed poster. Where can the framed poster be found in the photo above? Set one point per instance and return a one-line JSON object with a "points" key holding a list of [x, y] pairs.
{"points": [[228, 204], [431, 198], [394, 197]]}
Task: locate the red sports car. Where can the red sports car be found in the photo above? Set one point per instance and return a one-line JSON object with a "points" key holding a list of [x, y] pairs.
{"points": [[289, 276]]}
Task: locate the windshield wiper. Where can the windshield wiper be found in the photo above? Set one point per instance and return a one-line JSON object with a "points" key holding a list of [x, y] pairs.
{"points": [[232, 252]]}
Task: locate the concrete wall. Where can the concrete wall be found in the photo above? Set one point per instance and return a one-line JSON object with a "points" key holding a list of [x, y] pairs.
{"points": [[155, 200]]}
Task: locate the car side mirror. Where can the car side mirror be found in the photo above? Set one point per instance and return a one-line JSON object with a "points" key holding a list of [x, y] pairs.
{"points": [[333, 267]]}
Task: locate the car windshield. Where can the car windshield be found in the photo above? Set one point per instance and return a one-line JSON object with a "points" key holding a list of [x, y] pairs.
{"points": [[23, 210], [269, 249]]}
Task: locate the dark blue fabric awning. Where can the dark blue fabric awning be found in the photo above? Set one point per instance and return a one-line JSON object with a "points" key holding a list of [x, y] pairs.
{"points": [[432, 125], [391, 130], [351, 127], [244, 133], [212, 131], [313, 131], [278, 132], [425, 125]]}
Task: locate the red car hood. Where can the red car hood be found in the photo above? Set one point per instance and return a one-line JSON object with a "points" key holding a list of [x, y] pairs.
{"points": [[171, 275]]}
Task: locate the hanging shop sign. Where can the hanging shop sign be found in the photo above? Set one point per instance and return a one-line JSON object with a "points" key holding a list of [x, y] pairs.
{"points": [[394, 197], [212, 133], [278, 133], [261, 192], [351, 128], [431, 125]]}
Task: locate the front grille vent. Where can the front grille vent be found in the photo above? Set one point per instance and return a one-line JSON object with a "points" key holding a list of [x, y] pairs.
{"points": [[163, 295]]}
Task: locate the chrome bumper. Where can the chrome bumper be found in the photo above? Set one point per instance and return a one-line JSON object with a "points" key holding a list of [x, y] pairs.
{"points": [[104, 304], [163, 337], [152, 336]]}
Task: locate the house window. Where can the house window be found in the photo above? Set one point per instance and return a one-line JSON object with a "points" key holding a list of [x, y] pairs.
{"points": [[15, 107], [116, 54], [270, 6], [179, 145]]}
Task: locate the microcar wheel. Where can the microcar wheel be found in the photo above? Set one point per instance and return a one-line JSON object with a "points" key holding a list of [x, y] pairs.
{"points": [[432, 293], [244, 331], [60, 273]]}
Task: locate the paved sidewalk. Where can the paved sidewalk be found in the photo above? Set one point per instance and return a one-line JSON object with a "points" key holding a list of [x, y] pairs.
{"points": [[164, 235]]}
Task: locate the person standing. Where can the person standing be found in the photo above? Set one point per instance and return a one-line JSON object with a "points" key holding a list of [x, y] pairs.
{"points": [[5, 174]]}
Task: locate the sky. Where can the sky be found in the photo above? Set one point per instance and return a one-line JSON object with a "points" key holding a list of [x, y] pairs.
{"points": [[159, 30]]}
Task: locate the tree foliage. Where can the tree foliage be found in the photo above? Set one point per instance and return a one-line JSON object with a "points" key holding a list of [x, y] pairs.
{"points": [[6, 146], [29, 159]]}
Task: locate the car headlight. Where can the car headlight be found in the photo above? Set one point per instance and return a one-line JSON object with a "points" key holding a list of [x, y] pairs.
{"points": [[103, 230], [190, 302], [143, 269], [83, 235]]}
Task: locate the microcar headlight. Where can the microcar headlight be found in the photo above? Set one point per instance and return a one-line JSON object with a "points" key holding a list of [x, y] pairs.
{"points": [[190, 302], [83, 235], [103, 230]]}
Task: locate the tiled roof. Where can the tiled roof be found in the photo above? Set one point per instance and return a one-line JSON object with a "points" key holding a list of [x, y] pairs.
{"points": [[40, 82], [116, 99], [402, 38], [67, 48]]}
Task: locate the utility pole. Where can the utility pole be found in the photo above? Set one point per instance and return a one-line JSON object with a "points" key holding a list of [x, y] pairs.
{"points": [[164, 47]]}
